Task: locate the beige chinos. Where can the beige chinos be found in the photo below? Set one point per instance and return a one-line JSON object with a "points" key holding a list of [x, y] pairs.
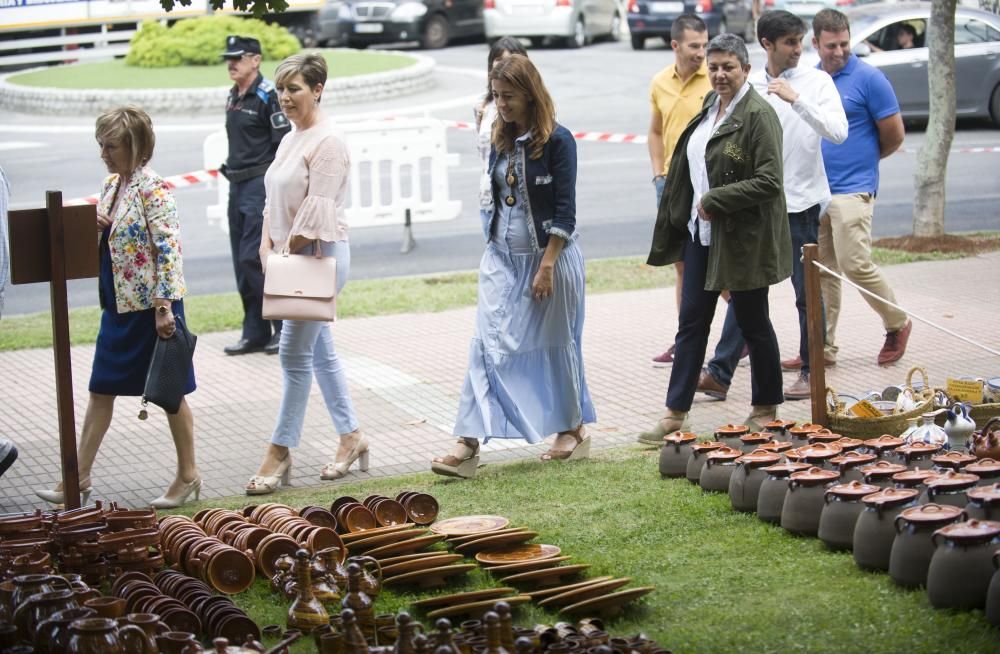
{"points": [[845, 245]]}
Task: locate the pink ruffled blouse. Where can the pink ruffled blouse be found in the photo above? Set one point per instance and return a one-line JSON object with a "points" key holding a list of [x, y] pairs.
{"points": [[307, 186]]}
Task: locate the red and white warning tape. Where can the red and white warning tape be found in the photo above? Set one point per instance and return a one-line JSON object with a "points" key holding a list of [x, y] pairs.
{"points": [[200, 176]]}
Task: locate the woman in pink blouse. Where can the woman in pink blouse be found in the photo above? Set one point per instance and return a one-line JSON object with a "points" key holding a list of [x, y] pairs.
{"points": [[306, 188]]}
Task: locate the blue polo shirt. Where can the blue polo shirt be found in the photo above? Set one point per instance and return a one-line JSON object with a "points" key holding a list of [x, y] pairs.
{"points": [[867, 95]]}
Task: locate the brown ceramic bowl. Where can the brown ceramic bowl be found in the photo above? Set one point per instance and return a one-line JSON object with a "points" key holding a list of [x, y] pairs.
{"points": [[341, 501], [359, 518], [389, 513]]}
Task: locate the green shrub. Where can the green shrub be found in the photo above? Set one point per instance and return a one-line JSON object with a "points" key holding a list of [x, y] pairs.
{"points": [[200, 41]]}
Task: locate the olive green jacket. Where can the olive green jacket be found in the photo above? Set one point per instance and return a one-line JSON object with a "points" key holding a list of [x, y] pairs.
{"points": [[751, 245]]}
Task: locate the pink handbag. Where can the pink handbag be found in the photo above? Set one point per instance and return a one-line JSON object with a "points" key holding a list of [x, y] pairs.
{"points": [[300, 286]]}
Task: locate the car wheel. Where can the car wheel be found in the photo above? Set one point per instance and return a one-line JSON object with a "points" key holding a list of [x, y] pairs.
{"points": [[435, 33], [638, 42], [616, 27], [579, 38], [995, 106]]}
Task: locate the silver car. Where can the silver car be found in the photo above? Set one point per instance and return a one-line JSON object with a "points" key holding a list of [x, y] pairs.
{"points": [[876, 37], [575, 22]]}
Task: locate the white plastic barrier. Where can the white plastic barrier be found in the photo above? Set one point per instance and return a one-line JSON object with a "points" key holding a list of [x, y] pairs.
{"points": [[395, 165]]}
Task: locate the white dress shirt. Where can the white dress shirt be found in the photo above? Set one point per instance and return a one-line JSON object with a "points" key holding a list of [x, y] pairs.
{"points": [[815, 115], [697, 144]]}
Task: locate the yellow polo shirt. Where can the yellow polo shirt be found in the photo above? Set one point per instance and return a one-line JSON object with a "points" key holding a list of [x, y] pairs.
{"points": [[678, 102]]}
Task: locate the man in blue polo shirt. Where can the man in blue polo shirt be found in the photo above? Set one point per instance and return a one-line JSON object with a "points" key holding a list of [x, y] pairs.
{"points": [[875, 130]]}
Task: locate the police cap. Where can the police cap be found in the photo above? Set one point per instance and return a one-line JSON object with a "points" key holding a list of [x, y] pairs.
{"points": [[237, 46]]}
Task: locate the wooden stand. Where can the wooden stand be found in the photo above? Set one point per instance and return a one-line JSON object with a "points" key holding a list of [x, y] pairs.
{"points": [[53, 245], [817, 337]]}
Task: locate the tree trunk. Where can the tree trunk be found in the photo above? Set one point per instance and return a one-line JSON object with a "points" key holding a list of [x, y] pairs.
{"points": [[932, 160]]}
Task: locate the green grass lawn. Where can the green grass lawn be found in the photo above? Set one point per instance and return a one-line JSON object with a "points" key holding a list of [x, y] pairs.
{"points": [[116, 75], [223, 312], [725, 582]]}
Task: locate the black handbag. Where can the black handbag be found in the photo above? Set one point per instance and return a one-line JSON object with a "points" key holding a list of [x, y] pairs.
{"points": [[169, 369]]}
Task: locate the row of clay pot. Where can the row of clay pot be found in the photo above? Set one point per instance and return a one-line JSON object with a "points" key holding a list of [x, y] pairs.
{"points": [[220, 565], [929, 545], [219, 616]]}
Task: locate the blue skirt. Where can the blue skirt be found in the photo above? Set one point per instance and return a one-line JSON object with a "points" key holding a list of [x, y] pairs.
{"points": [[525, 377], [125, 341]]}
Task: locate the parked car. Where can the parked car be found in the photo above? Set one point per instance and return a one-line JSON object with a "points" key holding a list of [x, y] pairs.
{"points": [[653, 18], [575, 22], [874, 30], [806, 9], [431, 22]]}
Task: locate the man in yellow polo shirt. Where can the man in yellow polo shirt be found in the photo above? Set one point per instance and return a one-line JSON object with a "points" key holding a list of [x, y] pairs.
{"points": [[676, 93]]}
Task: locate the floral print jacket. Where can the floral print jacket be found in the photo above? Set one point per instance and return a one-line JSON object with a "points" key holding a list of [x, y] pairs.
{"points": [[139, 275]]}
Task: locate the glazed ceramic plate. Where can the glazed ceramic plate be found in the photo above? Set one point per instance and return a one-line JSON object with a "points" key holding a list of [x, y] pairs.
{"points": [[384, 539], [465, 538], [546, 576], [607, 605], [404, 547], [584, 592], [429, 577], [558, 590], [420, 564], [469, 524], [462, 598], [368, 533], [477, 608], [498, 541], [525, 566], [518, 554], [393, 560]]}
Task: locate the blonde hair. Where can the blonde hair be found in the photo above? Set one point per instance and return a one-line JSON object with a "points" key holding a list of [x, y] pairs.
{"points": [[518, 71], [311, 65], [130, 127]]}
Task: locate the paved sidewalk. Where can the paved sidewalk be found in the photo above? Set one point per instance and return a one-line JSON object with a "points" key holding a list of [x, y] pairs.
{"points": [[406, 372]]}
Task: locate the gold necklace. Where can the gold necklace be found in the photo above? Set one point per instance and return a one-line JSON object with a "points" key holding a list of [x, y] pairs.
{"points": [[511, 181]]}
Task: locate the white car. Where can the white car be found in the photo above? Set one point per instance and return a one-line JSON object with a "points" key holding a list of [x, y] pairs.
{"points": [[577, 22]]}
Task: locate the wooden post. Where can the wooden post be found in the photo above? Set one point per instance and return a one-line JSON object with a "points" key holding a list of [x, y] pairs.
{"points": [[817, 337], [61, 351]]}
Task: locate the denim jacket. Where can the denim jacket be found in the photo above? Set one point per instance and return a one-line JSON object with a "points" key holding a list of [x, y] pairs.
{"points": [[546, 188]]}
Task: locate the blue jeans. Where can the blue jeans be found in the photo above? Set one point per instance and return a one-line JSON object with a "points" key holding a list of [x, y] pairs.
{"points": [[804, 227], [307, 349]]}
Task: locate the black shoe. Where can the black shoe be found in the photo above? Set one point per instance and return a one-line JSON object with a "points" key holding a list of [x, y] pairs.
{"points": [[243, 346], [272, 345]]}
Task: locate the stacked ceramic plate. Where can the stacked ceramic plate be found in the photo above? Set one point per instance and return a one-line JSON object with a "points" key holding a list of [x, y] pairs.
{"points": [[405, 555]]}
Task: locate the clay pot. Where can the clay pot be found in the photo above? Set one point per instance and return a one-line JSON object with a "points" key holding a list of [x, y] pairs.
{"points": [[913, 478], [993, 594], [744, 484], [107, 607], [53, 632], [850, 444], [988, 471], [804, 500], [823, 436], [27, 585], [699, 451], [421, 508], [842, 506], [816, 454], [729, 435], [949, 488], [984, 503], [883, 445], [771, 497], [752, 440], [675, 453], [912, 548], [718, 468], [953, 460], [104, 636], [962, 565], [177, 642], [875, 530], [917, 455], [880, 473], [779, 427], [849, 464], [800, 435], [778, 447], [39, 607]]}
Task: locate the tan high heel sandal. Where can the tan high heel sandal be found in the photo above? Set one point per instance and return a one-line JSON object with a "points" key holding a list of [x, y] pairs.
{"points": [[455, 466], [580, 451], [337, 469]]}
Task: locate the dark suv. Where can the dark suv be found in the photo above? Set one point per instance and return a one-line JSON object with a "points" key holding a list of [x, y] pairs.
{"points": [[431, 22], [652, 18]]}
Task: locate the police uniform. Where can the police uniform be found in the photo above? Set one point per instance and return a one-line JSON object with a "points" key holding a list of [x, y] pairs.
{"points": [[255, 126]]}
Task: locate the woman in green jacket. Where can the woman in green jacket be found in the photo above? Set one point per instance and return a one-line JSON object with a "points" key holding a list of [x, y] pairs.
{"points": [[724, 215]]}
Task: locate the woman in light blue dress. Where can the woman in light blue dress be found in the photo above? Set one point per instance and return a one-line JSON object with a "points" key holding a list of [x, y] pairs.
{"points": [[525, 378]]}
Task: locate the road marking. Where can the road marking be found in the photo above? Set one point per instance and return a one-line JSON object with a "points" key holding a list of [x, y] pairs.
{"points": [[20, 145]]}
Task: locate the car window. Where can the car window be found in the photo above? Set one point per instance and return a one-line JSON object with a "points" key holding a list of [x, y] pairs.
{"points": [[970, 30], [902, 35]]}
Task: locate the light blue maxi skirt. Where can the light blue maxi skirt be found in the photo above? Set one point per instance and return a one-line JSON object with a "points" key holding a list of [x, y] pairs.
{"points": [[525, 377]]}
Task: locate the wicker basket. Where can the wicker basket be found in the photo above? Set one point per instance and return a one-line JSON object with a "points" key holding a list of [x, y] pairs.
{"points": [[852, 426], [981, 413]]}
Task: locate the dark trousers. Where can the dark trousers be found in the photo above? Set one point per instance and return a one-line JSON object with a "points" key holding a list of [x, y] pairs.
{"points": [[804, 226], [697, 310], [246, 220]]}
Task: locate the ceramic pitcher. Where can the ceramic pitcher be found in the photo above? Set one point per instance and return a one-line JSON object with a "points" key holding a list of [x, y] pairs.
{"points": [[959, 425]]}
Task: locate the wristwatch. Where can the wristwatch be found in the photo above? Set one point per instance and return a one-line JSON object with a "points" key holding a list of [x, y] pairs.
{"points": [[163, 309]]}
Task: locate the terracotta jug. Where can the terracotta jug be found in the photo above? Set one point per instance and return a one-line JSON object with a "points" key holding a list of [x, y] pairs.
{"points": [[104, 636], [39, 607], [962, 566], [370, 583], [493, 645], [26, 585], [406, 629], [359, 602], [177, 642], [53, 633], [912, 548], [443, 637], [354, 639], [986, 442], [306, 612]]}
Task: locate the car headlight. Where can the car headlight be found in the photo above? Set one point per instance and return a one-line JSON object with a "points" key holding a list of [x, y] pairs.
{"points": [[344, 13], [408, 11]]}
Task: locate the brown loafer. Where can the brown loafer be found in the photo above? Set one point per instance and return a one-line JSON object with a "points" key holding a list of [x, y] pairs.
{"points": [[895, 344], [708, 385]]}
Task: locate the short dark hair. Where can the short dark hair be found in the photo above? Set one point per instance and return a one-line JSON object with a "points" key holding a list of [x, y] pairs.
{"points": [[906, 27], [686, 22], [729, 44], [830, 20], [773, 25], [507, 44]]}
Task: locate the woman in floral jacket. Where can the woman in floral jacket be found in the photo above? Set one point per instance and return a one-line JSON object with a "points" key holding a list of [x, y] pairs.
{"points": [[141, 284]]}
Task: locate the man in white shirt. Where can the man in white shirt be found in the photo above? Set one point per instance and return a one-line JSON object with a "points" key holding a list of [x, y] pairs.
{"points": [[810, 110]]}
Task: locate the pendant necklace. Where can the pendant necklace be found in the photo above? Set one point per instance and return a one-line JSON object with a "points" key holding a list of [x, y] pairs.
{"points": [[511, 181]]}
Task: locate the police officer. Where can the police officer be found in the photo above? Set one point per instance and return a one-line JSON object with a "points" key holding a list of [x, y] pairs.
{"points": [[255, 125]]}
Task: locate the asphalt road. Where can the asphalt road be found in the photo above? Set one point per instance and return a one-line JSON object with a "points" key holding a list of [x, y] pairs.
{"points": [[603, 87]]}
